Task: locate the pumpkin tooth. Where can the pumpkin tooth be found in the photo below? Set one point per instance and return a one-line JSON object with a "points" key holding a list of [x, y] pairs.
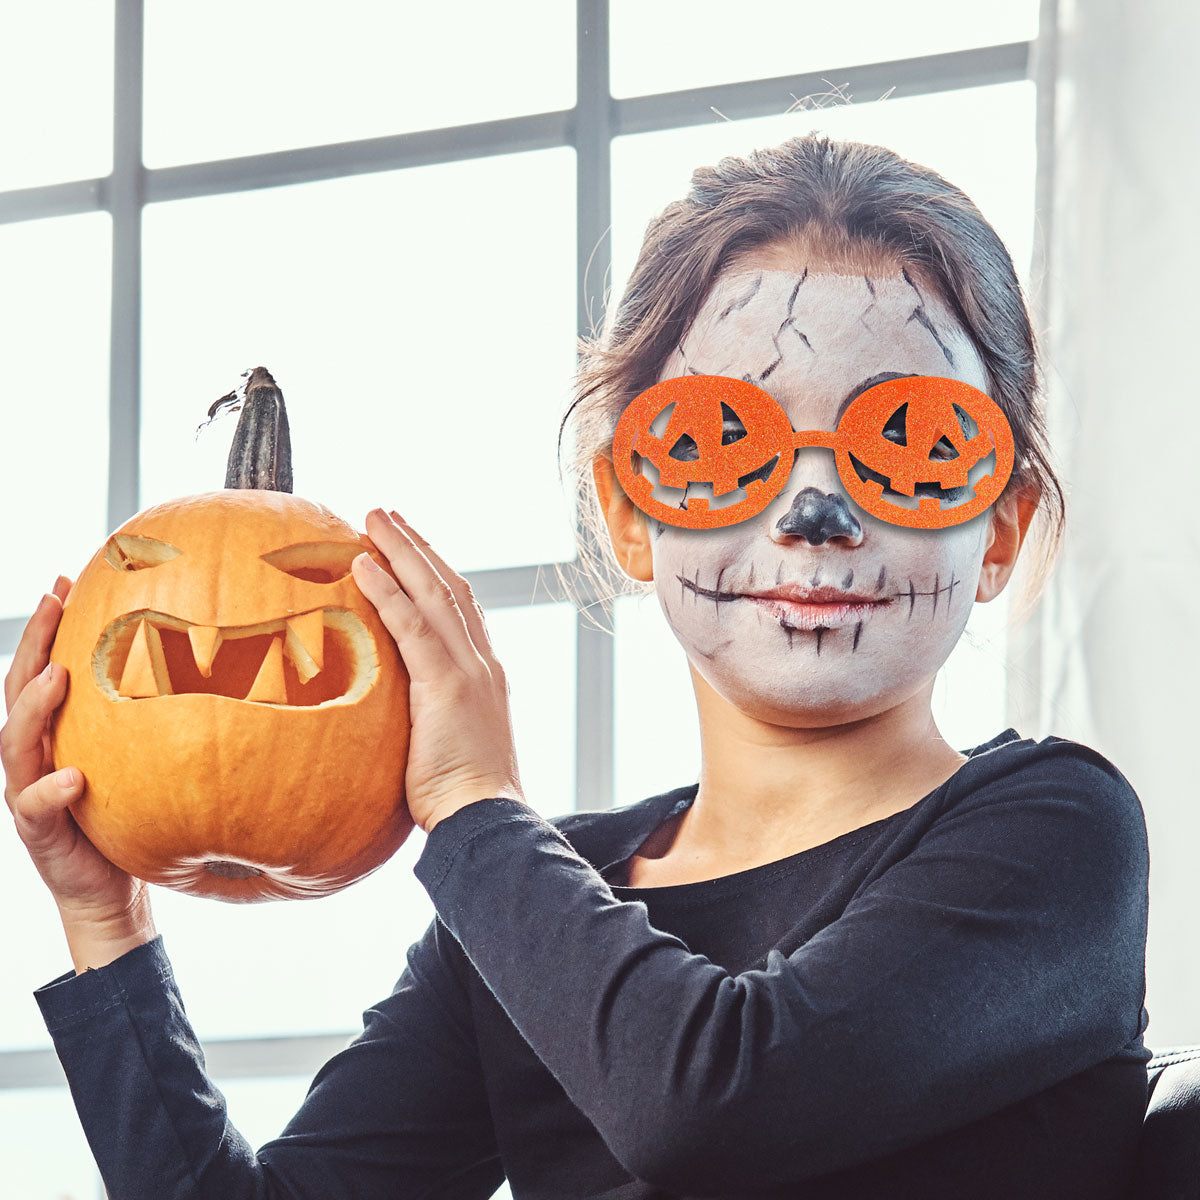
{"points": [[145, 673], [206, 641], [306, 643], [269, 686]]}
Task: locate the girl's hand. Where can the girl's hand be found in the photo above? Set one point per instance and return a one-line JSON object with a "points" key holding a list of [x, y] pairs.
{"points": [[461, 742], [86, 886]]}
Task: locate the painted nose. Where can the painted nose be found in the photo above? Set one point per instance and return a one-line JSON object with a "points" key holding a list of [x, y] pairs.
{"points": [[818, 516]]}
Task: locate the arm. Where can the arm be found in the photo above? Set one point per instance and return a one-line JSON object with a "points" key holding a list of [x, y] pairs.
{"points": [[94, 945], [1003, 955], [400, 1113]]}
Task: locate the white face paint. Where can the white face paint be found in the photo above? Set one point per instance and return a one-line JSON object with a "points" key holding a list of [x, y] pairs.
{"points": [[813, 341]]}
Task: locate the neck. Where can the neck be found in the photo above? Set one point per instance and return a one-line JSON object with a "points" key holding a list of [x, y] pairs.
{"points": [[765, 786]]}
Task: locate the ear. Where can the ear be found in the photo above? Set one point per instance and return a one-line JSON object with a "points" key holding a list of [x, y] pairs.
{"points": [[1010, 518], [628, 527]]}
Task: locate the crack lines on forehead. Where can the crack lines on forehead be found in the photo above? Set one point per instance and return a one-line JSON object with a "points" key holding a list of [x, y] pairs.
{"points": [[862, 316], [789, 320], [795, 290], [919, 314], [741, 303]]}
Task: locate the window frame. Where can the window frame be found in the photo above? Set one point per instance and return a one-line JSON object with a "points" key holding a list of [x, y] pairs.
{"points": [[589, 127]]}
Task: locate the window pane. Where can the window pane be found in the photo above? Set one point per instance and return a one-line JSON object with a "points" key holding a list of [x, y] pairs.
{"points": [[260, 1108], [942, 132], [657, 731], [536, 648], [233, 79], [54, 306], [56, 92], [969, 694], [313, 966], [677, 44], [421, 324], [42, 1147], [35, 947]]}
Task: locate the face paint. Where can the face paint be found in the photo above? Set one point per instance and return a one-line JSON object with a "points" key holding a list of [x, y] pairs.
{"points": [[887, 603]]}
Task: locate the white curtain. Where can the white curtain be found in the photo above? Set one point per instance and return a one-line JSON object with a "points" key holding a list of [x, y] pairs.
{"points": [[1118, 636]]}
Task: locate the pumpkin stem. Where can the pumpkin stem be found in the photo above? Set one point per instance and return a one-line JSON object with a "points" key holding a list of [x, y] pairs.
{"points": [[261, 454]]}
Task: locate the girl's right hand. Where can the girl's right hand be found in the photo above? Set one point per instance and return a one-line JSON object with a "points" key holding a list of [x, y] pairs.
{"points": [[89, 889]]}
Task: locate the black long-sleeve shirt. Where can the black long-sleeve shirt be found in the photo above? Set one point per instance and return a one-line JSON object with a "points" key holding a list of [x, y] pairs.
{"points": [[945, 1002]]}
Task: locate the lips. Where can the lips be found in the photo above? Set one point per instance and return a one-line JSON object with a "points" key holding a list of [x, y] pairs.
{"points": [[821, 595], [816, 608], [305, 659]]}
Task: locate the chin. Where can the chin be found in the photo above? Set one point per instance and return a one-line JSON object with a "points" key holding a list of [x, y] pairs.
{"points": [[815, 700]]}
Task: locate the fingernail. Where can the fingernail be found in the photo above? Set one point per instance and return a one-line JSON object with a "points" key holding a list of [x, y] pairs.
{"points": [[368, 562], [67, 778], [48, 674]]}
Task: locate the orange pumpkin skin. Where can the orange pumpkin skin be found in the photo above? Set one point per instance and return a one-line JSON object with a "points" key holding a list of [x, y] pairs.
{"points": [[296, 794]]}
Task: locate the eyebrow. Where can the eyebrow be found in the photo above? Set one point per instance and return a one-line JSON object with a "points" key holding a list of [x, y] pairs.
{"points": [[859, 388]]}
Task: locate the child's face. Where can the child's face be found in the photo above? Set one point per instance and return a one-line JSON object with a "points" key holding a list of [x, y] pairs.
{"points": [[814, 341]]}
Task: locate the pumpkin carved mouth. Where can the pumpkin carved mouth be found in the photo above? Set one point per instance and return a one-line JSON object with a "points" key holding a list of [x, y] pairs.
{"points": [[323, 656]]}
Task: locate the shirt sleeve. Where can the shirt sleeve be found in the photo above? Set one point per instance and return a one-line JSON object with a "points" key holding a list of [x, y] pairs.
{"points": [[1004, 954], [400, 1112]]}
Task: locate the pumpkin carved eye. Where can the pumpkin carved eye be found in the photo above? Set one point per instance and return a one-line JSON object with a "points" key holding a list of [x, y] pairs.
{"points": [[316, 562], [128, 553]]}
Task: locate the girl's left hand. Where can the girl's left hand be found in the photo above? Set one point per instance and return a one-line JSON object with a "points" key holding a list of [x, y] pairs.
{"points": [[461, 741]]}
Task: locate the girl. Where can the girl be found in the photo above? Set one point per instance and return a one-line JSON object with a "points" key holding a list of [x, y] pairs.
{"points": [[849, 961]]}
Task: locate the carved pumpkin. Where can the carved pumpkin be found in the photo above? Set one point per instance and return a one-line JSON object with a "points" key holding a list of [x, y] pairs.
{"points": [[238, 709]]}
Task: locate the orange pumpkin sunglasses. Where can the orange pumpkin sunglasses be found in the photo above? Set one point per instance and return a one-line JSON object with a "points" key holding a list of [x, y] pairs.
{"points": [[699, 414]]}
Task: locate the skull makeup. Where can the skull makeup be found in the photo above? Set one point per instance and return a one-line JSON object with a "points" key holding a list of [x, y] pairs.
{"points": [[813, 607]]}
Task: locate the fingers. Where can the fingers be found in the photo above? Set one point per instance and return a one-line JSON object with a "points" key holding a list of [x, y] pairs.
{"points": [[423, 612], [39, 810], [62, 587], [469, 607], [421, 647], [21, 746], [33, 650]]}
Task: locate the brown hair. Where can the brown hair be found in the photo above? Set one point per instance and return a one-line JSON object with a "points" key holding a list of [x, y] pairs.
{"points": [[860, 202]]}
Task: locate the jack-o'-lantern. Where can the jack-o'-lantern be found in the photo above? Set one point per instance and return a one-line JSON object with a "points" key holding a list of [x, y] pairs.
{"points": [[236, 706]]}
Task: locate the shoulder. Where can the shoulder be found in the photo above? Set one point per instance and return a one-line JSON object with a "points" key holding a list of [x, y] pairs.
{"points": [[600, 835], [1056, 799], [1050, 765]]}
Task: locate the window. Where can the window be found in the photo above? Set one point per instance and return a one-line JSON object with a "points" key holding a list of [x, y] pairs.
{"points": [[395, 217]]}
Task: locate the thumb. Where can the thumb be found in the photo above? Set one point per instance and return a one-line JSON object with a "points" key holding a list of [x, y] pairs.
{"points": [[40, 810]]}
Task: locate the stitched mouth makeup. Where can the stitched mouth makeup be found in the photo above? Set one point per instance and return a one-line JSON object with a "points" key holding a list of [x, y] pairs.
{"points": [[809, 615], [817, 609]]}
